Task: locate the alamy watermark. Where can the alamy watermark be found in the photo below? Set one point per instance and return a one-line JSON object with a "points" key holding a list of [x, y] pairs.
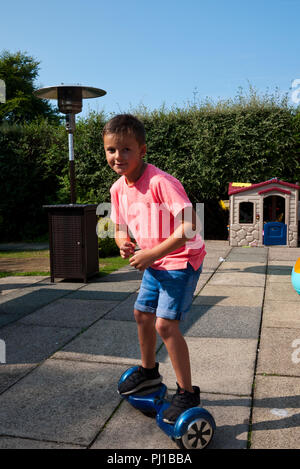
{"points": [[2, 91], [2, 351], [296, 352], [151, 220], [295, 95]]}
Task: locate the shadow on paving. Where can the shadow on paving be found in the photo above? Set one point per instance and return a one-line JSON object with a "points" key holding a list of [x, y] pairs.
{"points": [[71, 402]]}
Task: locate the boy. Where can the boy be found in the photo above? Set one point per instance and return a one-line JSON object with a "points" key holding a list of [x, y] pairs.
{"points": [[157, 211]]}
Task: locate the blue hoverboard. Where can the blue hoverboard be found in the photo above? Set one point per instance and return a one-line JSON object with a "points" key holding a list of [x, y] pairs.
{"points": [[193, 429]]}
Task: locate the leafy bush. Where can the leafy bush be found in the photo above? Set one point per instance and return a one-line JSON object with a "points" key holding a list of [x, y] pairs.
{"points": [[31, 156], [106, 241], [206, 146]]}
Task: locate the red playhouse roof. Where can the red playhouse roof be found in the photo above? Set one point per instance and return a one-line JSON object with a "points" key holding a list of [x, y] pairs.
{"points": [[235, 187]]}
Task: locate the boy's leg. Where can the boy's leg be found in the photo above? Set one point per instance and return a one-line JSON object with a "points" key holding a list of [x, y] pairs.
{"points": [[187, 396], [147, 337], [178, 351], [146, 375]]}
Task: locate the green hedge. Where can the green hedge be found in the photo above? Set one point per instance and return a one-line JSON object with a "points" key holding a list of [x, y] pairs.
{"points": [[205, 146]]}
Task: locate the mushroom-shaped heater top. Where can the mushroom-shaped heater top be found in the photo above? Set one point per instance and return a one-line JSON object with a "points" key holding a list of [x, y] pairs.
{"points": [[69, 97]]}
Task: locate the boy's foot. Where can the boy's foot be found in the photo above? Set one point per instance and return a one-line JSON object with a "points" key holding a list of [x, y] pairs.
{"points": [[140, 379], [181, 401]]}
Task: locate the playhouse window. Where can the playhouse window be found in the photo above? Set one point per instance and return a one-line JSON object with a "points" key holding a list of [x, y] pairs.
{"points": [[246, 212]]}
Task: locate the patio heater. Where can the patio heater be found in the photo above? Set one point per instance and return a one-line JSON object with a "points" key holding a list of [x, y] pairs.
{"points": [[73, 240]]}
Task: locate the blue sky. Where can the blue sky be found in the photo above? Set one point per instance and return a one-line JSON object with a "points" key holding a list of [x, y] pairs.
{"points": [[160, 51]]}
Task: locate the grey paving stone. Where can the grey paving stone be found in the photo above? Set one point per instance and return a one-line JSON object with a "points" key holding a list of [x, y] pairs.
{"points": [[281, 314], [70, 313], [125, 274], [242, 267], [14, 283], [222, 321], [238, 278], [244, 258], [247, 255], [61, 401], [276, 413], [123, 311], [24, 443], [232, 415], [30, 301], [283, 253], [112, 286], [99, 295], [224, 366], [10, 374], [282, 292], [107, 341], [278, 352], [203, 279], [279, 277], [27, 344], [60, 284], [6, 319], [250, 251], [210, 264], [130, 429], [230, 295]]}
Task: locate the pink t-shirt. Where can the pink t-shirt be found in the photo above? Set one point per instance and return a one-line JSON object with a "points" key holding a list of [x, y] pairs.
{"points": [[148, 208]]}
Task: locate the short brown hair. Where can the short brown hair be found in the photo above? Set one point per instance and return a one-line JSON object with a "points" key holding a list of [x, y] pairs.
{"points": [[126, 123]]}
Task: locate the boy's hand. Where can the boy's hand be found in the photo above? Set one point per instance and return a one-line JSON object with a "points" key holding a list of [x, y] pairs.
{"points": [[142, 259], [126, 249]]}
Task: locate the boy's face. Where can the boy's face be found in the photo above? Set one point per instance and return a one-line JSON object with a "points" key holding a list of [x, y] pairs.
{"points": [[124, 155]]}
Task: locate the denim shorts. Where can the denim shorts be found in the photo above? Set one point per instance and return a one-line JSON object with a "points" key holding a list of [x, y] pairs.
{"points": [[168, 293]]}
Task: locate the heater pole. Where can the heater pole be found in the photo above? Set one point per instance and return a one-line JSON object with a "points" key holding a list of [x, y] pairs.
{"points": [[72, 170], [69, 98], [70, 126]]}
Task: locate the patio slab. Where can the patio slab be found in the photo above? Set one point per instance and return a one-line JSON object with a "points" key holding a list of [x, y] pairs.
{"points": [[281, 253], [254, 259], [70, 313], [203, 279], [239, 254], [99, 295], [281, 314], [230, 295], [242, 267], [106, 342], [128, 428], [282, 292], [123, 311], [276, 413], [223, 366], [239, 322], [28, 343], [272, 341], [31, 300], [238, 278], [14, 283], [61, 401], [10, 374], [25, 443]]}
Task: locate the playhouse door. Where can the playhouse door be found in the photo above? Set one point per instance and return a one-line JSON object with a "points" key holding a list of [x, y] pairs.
{"points": [[275, 234]]}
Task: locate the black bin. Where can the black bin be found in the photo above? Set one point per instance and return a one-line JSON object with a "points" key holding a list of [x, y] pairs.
{"points": [[73, 241]]}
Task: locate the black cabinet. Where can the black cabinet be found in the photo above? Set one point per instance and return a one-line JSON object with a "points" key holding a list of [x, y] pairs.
{"points": [[73, 241]]}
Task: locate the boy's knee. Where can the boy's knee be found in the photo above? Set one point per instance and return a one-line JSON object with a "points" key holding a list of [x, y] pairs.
{"points": [[142, 317], [165, 327]]}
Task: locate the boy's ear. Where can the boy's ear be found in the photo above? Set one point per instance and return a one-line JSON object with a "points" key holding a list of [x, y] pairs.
{"points": [[143, 150]]}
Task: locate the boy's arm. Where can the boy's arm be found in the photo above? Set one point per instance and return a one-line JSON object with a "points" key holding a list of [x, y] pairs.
{"points": [[185, 231], [123, 241]]}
